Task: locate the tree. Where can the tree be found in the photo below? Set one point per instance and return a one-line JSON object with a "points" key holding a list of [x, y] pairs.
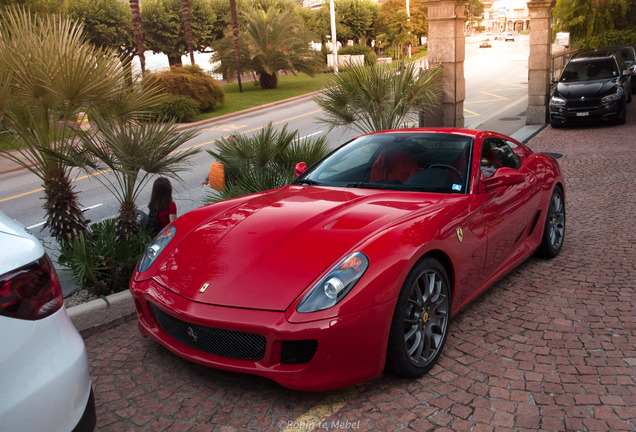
{"points": [[138, 32], [373, 98], [388, 12], [399, 35], [107, 24], [272, 40], [164, 31], [356, 18], [187, 27], [48, 72]]}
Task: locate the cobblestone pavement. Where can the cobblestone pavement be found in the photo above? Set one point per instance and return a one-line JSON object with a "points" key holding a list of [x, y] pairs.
{"points": [[550, 347]]}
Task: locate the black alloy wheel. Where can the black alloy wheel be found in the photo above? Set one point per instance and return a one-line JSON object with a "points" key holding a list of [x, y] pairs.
{"points": [[554, 230], [421, 319]]}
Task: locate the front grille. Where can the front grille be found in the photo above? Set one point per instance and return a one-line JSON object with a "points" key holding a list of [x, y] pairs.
{"points": [[297, 352], [221, 342], [587, 103]]}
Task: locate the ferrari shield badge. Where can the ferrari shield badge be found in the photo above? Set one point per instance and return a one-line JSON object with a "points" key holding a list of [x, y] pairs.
{"points": [[204, 287], [460, 234]]}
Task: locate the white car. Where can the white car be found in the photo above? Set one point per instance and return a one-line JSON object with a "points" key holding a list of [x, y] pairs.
{"points": [[509, 36], [44, 381]]}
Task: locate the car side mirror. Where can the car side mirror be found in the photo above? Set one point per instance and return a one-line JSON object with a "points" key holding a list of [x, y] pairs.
{"points": [[627, 72], [502, 177], [300, 168]]}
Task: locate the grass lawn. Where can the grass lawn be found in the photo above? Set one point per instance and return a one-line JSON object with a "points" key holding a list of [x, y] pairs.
{"points": [[253, 95]]}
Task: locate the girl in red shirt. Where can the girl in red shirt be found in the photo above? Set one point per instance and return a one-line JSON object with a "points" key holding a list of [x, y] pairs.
{"points": [[161, 205]]}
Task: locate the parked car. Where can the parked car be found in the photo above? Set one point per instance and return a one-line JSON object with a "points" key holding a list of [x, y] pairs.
{"points": [[509, 36], [358, 264], [592, 86], [628, 54], [44, 378], [485, 43]]}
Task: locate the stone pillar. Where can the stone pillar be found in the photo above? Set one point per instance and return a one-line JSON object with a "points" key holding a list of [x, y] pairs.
{"points": [[539, 60], [447, 45]]}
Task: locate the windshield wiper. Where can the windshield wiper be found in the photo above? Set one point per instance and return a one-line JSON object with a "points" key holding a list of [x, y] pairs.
{"points": [[384, 186], [307, 182]]}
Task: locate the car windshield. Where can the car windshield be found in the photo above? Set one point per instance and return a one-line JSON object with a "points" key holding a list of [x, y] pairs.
{"points": [[410, 161], [587, 70]]}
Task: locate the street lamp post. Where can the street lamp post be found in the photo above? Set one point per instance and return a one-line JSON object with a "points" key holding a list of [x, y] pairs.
{"points": [[334, 41]]}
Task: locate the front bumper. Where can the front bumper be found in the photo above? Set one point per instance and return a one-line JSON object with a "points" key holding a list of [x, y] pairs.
{"points": [[585, 113], [317, 355]]}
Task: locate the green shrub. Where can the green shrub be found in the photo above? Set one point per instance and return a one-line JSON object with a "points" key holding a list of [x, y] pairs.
{"points": [[183, 109], [263, 161], [103, 264], [369, 56], [193, 82]]}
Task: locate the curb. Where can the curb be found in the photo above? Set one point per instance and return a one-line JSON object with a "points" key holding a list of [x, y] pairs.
{"points": [[91, 316]]}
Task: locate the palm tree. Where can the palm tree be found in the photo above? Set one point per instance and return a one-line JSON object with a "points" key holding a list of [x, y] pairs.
{"points": [[273, 40], [49, 73], [187, 26], [133, 151], [379, 97], [137, 30]]}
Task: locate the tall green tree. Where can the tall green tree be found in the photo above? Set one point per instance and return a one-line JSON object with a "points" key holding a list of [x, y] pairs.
{"points": [[107, 24], [389, 9], [399, 35], [164, 30], [187, 28], [49, 73], [271, 40], [374, 98], [138, 32]]}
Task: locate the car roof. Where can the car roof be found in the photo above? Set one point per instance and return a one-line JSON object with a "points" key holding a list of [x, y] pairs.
{"points": [[619, 50]]}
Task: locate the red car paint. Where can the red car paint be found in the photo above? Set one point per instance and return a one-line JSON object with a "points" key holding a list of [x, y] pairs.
{"points": [[259, 256]]}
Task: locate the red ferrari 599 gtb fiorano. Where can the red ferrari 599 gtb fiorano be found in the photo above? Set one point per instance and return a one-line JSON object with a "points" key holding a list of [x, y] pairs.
{"points": [[357, 265]]}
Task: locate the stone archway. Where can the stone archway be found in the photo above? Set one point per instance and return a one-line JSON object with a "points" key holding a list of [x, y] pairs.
{"points": [[447, 46]]}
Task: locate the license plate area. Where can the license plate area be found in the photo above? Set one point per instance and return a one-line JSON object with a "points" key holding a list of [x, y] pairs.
{"points": [[583, 114]]}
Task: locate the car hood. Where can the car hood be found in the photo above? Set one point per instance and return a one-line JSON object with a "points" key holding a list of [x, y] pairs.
{"points": [[265, 251], [587, 89]]}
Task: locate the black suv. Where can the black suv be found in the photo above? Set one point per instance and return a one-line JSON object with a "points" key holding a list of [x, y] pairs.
{"points": [[593, 86], [628, 53]]}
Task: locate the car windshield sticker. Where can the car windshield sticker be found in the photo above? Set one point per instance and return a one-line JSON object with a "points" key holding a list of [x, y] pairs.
{"points": [[457, 187]]}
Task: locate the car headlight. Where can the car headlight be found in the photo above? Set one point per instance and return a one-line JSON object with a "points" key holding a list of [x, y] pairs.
{"points": [[557, 101], [156, 247], [335, 285], [611, 98]]}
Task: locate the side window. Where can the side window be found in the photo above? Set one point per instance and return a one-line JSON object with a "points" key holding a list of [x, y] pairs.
{"points": [[497, 153]]}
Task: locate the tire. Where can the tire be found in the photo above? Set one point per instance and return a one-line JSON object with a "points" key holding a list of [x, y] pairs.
{"points": [[622, 116], [420, 322], [554, 229], [555, 123]]}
